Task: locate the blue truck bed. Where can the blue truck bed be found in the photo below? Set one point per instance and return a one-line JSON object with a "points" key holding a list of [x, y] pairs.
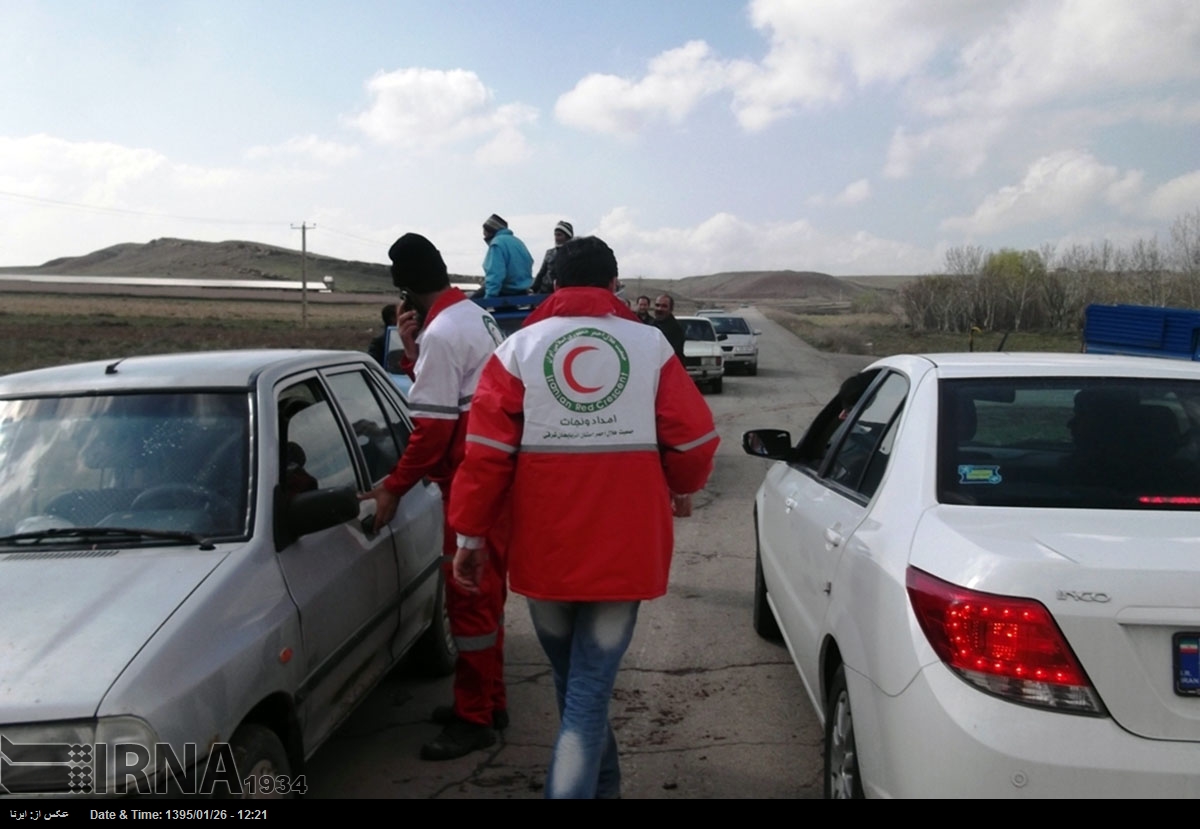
{"points": [[1142, 330]]}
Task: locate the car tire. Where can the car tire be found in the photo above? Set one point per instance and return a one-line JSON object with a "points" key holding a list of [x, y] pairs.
{"points": [[716, 385], [764, 620], [258, 752], [842, 777], [435, 653]]}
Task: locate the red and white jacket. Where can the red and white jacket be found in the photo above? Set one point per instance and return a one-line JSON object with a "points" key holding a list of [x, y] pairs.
{"points": [[591, 421], [455, 343]]}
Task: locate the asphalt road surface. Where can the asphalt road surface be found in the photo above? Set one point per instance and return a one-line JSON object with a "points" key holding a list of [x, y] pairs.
{"points": [[703, 708]]}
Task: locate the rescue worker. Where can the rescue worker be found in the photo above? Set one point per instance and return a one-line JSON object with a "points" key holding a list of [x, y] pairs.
{"points": [[586, 408], [447, 339]]}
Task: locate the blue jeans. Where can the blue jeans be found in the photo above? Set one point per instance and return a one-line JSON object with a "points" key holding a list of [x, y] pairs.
{"points": [[585, 642]]}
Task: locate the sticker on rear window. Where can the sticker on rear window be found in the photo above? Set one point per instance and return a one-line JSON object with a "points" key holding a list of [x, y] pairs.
{"points": [[972, 473]]}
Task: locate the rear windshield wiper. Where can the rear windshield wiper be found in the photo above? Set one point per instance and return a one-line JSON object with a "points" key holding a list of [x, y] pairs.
{"points": [[59, 533]]}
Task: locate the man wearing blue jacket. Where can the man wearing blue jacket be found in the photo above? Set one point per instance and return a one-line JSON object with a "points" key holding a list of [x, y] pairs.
{"points": [[508, 266]]}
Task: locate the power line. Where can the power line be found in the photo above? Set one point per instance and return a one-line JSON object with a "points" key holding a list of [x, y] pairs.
{"points": [[94, 208]]}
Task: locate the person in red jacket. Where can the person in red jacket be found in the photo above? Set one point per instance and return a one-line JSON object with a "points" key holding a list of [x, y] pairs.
{"points": [[585, 408], [445, 359]]}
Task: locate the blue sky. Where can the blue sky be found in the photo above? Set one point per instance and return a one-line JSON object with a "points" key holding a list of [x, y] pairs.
{"points": [[852, 137]]}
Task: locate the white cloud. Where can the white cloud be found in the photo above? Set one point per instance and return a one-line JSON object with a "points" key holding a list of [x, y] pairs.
{"points": [[818, 50], [426, 109], [724, 242], [1043, 52], [960, 147], [1104, 61], [48, 167], [855, 192], [1175, 198], [60, 197], [1058, 186], [308, 148], [676, 81]]}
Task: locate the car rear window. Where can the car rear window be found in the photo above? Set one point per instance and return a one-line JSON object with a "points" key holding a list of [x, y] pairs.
{"points": [[730, 325], [698, 329], [1128, 443]]}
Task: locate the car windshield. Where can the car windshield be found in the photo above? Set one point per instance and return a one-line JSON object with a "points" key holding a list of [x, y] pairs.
{"points": [[155, 462], [730, 325], [1128, 443], [698, 329]]}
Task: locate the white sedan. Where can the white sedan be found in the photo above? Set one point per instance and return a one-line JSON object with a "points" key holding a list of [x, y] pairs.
{"points": [[986, 568]]}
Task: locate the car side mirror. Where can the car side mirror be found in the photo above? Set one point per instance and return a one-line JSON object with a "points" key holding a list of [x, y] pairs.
{"points": [[304, 513], [775, 444]]}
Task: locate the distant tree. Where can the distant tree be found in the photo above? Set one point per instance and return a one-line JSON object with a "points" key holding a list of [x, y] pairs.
{"points": [[964, 260]]}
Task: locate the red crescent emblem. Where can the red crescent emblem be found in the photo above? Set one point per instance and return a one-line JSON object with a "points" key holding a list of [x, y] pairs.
{"points": [[568, 374]]}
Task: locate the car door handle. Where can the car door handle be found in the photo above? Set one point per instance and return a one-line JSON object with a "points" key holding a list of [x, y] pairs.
{"points": [[368, 525], [833, 538], [789, 504]]}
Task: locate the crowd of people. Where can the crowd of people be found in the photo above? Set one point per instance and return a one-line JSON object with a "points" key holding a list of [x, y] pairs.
{"points": [[507, 426]]}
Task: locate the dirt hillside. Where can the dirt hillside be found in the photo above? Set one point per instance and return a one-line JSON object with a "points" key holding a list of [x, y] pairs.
{"points": [[188, 259]]}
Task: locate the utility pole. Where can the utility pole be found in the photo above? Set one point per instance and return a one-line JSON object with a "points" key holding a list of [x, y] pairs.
{"points": [[304, 228]]}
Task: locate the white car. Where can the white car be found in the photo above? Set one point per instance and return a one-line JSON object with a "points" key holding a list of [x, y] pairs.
{"points": [[702, 354], [987, 572], [193, 596], [739, 341]]}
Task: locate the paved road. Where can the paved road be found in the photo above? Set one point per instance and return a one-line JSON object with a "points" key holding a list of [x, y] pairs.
{"points": [[702, 709]]}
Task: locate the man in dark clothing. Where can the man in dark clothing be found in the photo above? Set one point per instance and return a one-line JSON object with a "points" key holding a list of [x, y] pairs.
{"points": [[544, 282], [378, 347], [664, 320], [642, 309]]}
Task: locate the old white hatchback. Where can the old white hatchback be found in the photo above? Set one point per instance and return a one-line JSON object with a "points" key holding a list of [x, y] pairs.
{"points": [[193, 597], [986, 568]]}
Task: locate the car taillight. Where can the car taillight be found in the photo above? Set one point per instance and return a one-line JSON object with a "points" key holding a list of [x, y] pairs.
{"points": [[1007, 646]]}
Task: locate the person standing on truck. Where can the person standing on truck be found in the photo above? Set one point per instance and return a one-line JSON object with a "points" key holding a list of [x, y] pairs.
{"points": [[508, 265], [585, 407], [447, 339], [543, 283]]}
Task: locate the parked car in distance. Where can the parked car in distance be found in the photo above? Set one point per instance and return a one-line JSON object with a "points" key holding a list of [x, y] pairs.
{"points": [[738, 341], [987, 572], [702, 354], [188, 574]]}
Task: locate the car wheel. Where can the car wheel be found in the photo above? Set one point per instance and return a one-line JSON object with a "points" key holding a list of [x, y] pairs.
{"points": [[764, 620], [842, 778], [752, 369], [716, 385], [258, 753], [436, 653]]}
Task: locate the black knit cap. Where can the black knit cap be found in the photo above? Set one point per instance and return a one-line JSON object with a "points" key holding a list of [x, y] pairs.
{"points": [[417, 265], [585, 262]]}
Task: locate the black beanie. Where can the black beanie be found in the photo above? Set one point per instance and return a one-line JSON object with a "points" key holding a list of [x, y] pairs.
{"points": [[585, 262], [417, 265]]}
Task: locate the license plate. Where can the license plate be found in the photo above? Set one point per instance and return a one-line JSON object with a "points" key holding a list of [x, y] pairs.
{"points": [[1187, 664]]}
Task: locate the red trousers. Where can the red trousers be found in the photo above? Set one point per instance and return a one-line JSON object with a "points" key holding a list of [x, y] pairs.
{"points": [[477, 624]]}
